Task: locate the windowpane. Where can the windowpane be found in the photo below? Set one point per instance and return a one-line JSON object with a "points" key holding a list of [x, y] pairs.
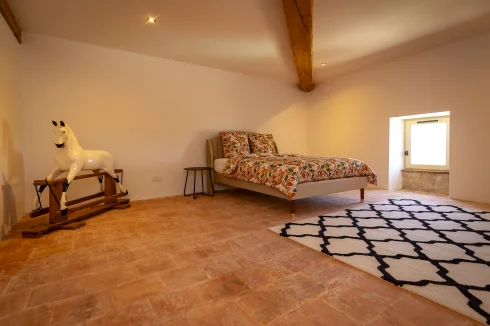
{"points": [[428, 143]]}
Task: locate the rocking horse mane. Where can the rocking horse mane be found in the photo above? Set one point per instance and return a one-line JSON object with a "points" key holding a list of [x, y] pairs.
{"points": [[72, 139]]}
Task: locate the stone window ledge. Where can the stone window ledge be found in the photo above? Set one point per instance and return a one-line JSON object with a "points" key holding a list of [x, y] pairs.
{"points": [[428, 171]]}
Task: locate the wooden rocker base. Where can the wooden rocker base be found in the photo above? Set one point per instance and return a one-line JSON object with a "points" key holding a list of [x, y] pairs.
{"points": [[77, 209], [72, 222]]}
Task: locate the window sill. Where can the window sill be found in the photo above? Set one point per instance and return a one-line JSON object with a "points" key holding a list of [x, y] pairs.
{"points": [[428, 171]]}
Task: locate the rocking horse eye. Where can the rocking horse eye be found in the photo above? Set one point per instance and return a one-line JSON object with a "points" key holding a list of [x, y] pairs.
{"points": [[55, 123]]}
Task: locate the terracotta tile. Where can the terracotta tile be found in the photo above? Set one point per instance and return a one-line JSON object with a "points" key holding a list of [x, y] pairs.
{"points": [[301, 287], [13, 257], [69, 257], [253, 254], [178, 322], [310, 255], [362, 299], [332, 269], [281, 266], [222, 288], [109, 278], [174, 304], [56, 291], [14, 302], [202, 234], [248, 240], [221, 265], [223, 247], [255, 275], [135, 314], [3, 283], [182, 277], [154, 265], [380, 321], [35, 278], [191, 256], [95, 265], [162, 249], [107, 248], [267, 303], [56, 249], [40, 316], [76, 311], [229, 313], [265, 235], [137, 290], [415, 310], [317, 313]]}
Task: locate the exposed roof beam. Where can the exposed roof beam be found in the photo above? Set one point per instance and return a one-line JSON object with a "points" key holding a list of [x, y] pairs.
{"points": [[10, 19], [298, 18]]}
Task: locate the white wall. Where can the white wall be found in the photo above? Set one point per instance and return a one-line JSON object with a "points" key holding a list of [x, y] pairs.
{"points": [[11, 160], [153, 115], [350, 116], [396, 153]]}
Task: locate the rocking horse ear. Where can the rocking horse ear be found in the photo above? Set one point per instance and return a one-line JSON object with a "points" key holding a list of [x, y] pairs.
{"points": [[62, 123], [54, 122]]}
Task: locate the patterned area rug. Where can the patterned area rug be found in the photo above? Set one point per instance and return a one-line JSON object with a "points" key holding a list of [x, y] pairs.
{"points": [[441, 252]]}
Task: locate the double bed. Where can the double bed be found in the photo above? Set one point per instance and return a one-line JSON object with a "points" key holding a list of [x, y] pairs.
{"points": [[215, 158]]}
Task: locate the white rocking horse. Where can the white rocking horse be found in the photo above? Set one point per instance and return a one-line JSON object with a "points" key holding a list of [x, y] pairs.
{"points": [[72, 158]]}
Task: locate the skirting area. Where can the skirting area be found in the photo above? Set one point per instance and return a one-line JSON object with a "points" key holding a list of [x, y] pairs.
{"points": [[441, 252]]}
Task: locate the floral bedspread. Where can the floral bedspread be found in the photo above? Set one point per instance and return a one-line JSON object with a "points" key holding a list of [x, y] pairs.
{"points": [[285, 171]]}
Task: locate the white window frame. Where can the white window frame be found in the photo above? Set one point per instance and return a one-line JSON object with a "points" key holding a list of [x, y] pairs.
{"points": [[408, 124]]}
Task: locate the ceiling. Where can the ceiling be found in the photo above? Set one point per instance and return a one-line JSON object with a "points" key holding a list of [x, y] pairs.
{"points": [[250, 36]]}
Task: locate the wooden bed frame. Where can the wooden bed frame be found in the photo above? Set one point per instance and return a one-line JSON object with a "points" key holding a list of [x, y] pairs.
{"points": [[214, 150]]}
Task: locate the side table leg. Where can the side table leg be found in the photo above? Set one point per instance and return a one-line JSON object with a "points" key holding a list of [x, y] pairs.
{"points": [[202, 182], [211, 179], [186, 176], [194, 196]]}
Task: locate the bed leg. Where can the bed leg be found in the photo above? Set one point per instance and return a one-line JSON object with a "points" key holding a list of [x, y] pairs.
{"points": [[293, 209], [362, 195]]}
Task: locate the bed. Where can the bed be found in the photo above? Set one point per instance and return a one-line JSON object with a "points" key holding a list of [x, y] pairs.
{"points": [[216, 160]]}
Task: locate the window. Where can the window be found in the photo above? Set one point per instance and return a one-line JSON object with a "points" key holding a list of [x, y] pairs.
{"points": [[427, 143]]}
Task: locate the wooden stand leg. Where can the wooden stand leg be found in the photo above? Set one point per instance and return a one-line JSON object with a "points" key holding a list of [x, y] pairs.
{"points": [[362, 195], [109, 189], [293, 209], [54, 207]]}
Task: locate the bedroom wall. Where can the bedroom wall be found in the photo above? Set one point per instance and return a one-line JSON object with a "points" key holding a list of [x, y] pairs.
{"points": [[153, 115], [351, 115], [11, 158]]}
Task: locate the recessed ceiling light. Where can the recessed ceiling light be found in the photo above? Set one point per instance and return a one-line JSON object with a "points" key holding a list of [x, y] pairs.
{"points": [[151, 20], [324, 63]]}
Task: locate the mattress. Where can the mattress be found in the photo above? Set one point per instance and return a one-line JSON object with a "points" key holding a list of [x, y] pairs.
{"points": [[219, 164]]}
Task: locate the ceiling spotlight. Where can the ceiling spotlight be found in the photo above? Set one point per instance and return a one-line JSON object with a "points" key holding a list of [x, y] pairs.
{"points": [[324, 63], [151, 20]]}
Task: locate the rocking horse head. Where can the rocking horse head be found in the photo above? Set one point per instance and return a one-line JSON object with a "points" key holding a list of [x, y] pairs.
{"points": [[61, 133]]}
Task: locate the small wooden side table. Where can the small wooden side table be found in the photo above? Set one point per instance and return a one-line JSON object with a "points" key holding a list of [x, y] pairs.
{"points": [[199, 168]]}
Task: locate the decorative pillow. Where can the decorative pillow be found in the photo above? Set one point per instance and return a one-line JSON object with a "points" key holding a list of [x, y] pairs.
{"points": [[262, 144], [234, 143]]}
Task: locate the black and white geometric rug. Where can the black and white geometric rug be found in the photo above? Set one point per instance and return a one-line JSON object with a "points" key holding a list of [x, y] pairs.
{"points": [[441, 252]]}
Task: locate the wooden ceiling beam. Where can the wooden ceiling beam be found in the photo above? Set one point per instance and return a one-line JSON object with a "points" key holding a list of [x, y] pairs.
{"points": [[299, 21], [10, 19]]}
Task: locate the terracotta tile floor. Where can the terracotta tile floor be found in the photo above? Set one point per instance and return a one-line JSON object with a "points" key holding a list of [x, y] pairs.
{"points": [[209, 261]]}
